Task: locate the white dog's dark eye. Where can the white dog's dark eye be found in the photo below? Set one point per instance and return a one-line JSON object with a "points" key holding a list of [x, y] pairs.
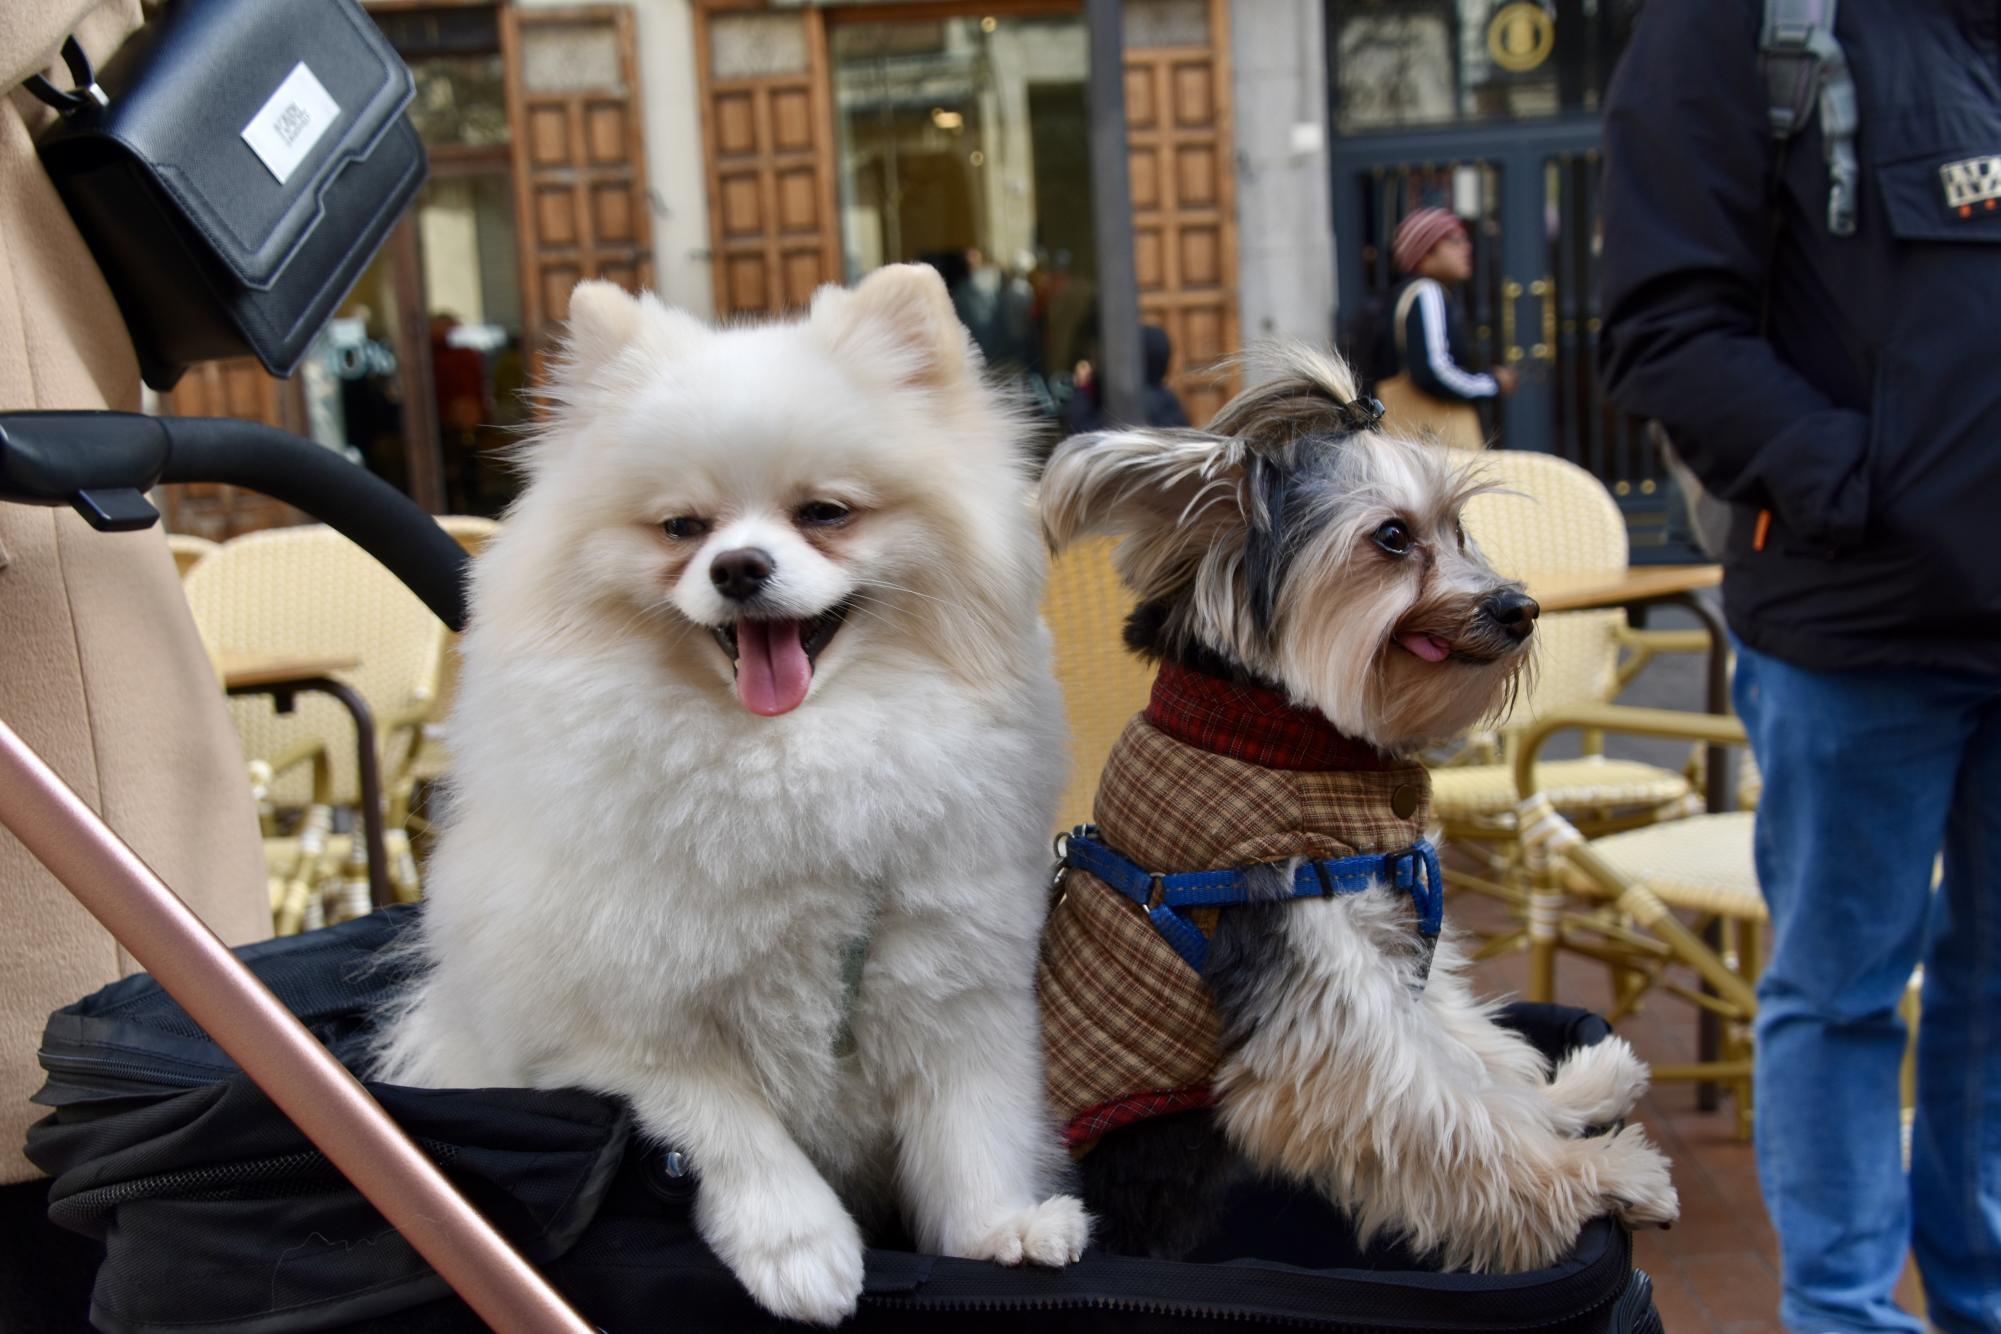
{"points": [[821, 513], [1392, 537], [685, 526]]}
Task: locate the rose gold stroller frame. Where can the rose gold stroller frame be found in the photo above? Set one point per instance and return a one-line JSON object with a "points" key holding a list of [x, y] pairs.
{"points": [[301, 1076]]}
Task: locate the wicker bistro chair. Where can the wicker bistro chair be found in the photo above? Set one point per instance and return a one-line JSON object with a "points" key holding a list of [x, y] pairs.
{"points": [[1552, 516], [1649, 899], [1104, 684], [428, 761], [308, 591]]}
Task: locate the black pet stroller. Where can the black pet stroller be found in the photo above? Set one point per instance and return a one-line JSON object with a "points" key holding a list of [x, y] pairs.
{"points": [[205, 1127]]}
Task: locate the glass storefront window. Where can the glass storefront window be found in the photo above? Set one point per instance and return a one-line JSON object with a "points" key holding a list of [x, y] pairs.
{"points": [[963, 144], [1400, 64], [355, 375], [419, 376], [472, 299], [460, 100]]}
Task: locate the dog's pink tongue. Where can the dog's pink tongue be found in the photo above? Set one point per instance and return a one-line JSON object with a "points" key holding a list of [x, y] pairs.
{"points": [[772, 671], [1429, 647]]}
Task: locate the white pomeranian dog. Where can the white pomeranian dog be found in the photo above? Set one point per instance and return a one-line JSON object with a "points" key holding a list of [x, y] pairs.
{"points": [[756, 754]]}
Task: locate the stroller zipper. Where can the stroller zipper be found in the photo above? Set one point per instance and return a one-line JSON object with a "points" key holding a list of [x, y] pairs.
{"points": [[1197, 1311], [155, 1075], [1111, 1305], [1582, 1318]]}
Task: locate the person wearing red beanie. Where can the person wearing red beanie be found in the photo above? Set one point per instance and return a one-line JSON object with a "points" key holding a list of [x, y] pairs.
{"points": [[1432, 390]]}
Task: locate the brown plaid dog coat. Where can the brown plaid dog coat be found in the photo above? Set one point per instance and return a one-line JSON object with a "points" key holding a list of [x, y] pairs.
{"points": [[1211, 776]]}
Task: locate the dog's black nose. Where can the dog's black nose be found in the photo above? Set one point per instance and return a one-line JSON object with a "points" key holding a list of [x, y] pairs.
{"points": [[1514, 611], [741, 574]]}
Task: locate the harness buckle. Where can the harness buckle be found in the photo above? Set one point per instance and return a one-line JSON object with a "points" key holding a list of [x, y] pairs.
{"points": [[1060, 846]]}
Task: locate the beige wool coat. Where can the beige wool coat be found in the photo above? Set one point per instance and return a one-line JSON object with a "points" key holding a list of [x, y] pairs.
{"points": [[100, 669]]}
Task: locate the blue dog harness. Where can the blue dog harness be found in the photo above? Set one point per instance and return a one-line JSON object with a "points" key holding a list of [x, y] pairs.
{"points": [[1414, 870]]}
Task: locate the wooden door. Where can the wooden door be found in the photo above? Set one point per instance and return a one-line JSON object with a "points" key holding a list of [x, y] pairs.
{"points": [[767, 127], [580, 199], [1179, 137]]}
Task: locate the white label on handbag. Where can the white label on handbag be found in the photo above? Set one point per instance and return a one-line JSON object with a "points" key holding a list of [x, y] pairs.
{"points": [[290, 122]]}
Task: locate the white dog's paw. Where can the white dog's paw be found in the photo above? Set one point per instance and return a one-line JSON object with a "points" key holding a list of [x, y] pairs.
{"points": [[815, 1279], [804, 1265], [1634, 1180], [1052, 1233], [1601, 1083]]}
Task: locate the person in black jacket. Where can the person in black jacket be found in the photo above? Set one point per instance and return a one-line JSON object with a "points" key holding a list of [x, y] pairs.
{"points": [[1837, 385]]}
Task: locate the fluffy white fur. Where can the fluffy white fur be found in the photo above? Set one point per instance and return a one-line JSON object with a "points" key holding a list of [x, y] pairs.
{"points": [[1400, 1097], [643, 888]]}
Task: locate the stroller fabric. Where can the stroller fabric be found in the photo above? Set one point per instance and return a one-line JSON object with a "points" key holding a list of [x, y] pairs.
{"points": [[216, 1212]]}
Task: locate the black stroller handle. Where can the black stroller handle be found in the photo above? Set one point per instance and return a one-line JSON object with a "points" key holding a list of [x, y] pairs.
{"points": [[103, 463]]}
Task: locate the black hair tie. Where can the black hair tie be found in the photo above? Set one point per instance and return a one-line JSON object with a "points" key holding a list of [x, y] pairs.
{"points": [[1361, 414]]}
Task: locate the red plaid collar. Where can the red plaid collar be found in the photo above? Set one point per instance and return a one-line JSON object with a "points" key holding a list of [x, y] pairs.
{"points": [[1252, 724]]}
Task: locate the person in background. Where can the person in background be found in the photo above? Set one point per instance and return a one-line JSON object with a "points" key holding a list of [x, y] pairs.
{"points": [[1084, 411], [1161, 406], [101, 672], [1432, 388], [1825, 362], [458, 382]]}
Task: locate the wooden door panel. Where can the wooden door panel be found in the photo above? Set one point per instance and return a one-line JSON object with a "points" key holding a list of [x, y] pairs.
{"points": [[767, 130], [1179, 141], [581, 203]]}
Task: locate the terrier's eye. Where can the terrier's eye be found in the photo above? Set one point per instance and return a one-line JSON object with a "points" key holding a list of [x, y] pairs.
{"points": [[822, 514], [685, 527], [1392, 537]]}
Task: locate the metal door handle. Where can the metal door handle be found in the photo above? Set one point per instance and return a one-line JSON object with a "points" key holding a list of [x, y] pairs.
{"points": [[1511, 292], [1544, 288]]}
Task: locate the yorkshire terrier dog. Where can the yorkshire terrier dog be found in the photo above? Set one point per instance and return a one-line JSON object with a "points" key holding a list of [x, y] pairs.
{"points": [[1245, 972]]}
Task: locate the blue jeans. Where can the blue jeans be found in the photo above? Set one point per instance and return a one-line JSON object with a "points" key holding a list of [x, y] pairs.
{"points": [[1868, 775]]}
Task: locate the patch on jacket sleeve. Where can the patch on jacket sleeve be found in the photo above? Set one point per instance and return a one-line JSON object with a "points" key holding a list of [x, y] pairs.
{"points": [[1972, 183]]}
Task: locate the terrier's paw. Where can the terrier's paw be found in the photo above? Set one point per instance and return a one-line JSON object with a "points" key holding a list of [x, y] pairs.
{"points": [[804, 1265], [1634, 1180], [1600, 1083], [1052, 1233]]}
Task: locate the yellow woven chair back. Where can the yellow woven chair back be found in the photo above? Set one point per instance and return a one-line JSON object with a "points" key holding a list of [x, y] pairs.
{"points": [[310, 592], [1561, 519], [1104, 684]]}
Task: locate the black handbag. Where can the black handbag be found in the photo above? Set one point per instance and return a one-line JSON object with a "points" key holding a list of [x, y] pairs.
{"points": [[234, 168]]}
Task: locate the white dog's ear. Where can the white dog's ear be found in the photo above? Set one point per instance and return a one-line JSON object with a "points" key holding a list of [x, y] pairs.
{"points": [[606, 324], [898, 323], [1171, 493], [603, 318]]}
